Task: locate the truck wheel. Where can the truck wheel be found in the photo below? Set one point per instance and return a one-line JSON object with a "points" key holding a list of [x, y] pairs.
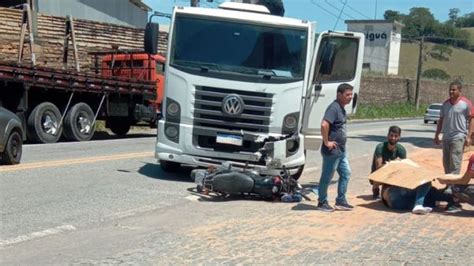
{"points": [[43, 123], [78, 123], [13, 149], [119, 126], [168, 166]]}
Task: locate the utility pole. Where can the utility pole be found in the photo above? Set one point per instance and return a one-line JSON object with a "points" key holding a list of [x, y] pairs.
{"points": [[375, 15], [418, 74], [194, 2]]}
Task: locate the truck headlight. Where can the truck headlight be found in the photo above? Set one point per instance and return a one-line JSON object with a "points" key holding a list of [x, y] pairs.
{"points": [[290, 123], [173, 108], [292, 146], [172, 132]]}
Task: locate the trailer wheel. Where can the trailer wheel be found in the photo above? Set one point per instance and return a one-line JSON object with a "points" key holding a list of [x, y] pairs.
{"points": [[78, 123], [119, 126], [43, 123], [169, 166], [13, 149]]}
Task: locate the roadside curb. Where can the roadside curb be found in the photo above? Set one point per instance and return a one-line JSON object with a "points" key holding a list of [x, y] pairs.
{"points": [[355, 121]]}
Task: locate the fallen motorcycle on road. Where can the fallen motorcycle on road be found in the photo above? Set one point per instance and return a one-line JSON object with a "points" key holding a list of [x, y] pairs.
{"points": [[224, 181]]}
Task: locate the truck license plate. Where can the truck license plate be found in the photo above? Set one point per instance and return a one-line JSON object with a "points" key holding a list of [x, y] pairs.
{"points": [[229, 139]]}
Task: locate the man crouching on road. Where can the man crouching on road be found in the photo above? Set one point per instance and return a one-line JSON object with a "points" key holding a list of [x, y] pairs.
{"points": [[333, 151], [385, 152]]}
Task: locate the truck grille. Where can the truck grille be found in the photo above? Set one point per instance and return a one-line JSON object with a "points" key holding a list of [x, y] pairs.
{"points": [[255, 116]]}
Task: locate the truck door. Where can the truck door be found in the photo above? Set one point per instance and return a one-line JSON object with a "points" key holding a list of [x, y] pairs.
{"points": [[337, 59]]}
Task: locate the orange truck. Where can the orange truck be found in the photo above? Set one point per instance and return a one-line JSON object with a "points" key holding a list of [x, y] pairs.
{"points": [[145, 67], [125, 90]]}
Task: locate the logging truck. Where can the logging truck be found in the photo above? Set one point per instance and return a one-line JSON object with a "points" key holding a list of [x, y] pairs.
{"points": [[123, 88]]}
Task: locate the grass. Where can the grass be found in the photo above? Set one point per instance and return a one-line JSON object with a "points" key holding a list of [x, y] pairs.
{"points": [[471, 31], [394, 110], [459, 64], [100, 125]]}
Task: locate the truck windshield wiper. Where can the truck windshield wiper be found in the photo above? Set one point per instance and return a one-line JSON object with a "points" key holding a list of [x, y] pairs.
{"points": [[266, 73], [204, 67]]}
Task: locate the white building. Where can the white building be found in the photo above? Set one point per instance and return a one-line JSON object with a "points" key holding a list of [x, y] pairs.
{"points": [[382, 44]]}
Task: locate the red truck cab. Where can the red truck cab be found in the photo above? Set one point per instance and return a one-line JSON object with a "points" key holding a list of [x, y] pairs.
{"points": [[141, 66]]}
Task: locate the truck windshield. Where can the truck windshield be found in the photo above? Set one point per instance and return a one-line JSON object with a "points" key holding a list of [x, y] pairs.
{"points": [[219, 46]]}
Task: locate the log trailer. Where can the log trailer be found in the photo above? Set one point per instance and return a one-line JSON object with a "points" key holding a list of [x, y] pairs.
{"points": [[124, 89]]}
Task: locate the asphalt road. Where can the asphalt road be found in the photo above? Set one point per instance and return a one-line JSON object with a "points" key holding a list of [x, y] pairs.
{"points": [[93, 202]]}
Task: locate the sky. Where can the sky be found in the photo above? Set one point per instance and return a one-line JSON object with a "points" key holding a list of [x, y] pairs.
{"points": [[325, 12]]}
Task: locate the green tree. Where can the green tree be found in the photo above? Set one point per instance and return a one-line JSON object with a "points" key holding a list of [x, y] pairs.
{"points": [[436, 74], [275, 6], [441, 52], [419, 22], [453, 15], [466, 21], [392, 15]]}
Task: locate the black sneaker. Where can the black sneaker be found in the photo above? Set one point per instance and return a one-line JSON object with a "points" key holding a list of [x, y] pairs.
{"points": [[325, 207], [343, 206], [453, 208]]}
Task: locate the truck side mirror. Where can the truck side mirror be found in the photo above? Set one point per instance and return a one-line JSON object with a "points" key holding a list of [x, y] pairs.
{"points": [[318, 87], [151, 38], [327, 59]]}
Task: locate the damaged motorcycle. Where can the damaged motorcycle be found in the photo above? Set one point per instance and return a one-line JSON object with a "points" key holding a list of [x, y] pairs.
{"points": [[225, 180]]}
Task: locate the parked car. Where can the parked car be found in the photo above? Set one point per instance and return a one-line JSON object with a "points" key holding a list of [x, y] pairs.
{"points": [[11, 137], [432, 113]]}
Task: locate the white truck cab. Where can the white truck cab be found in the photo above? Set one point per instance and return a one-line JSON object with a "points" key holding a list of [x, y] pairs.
{"points": [[250, 88]]}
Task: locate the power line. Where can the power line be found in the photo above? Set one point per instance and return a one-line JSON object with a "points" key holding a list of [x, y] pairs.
{"points": [[355, 10], [340, 10], [320, 6], [340, 13]]}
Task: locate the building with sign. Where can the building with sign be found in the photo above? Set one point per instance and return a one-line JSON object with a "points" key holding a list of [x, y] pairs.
{"points": [[382, 44]]}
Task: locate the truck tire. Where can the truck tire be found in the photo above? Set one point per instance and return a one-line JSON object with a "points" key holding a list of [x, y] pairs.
{"points": [[119, 126], [78, 123], [13, 149], [168, 166], [43, 123]]}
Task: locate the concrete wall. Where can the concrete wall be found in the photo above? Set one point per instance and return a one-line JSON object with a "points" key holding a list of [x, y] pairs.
{"points": [[120, 12], [90, 36], [385, 90]]}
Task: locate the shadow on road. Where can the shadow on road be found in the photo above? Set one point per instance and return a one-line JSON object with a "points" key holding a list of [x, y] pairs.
{"points": [[304, 207], [103, 135], [216, 197], [421, 142], [154, 171]]}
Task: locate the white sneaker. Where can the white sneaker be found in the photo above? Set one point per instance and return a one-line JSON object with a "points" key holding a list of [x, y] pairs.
{"points": [[419, 209]]}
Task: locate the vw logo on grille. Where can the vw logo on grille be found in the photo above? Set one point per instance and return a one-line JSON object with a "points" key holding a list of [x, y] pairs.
{"points": [[233, 105]]}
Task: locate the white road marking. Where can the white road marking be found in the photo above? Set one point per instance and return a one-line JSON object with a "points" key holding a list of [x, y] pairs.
{"points": [[192, 198], [35, 235], [132, 212]]}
